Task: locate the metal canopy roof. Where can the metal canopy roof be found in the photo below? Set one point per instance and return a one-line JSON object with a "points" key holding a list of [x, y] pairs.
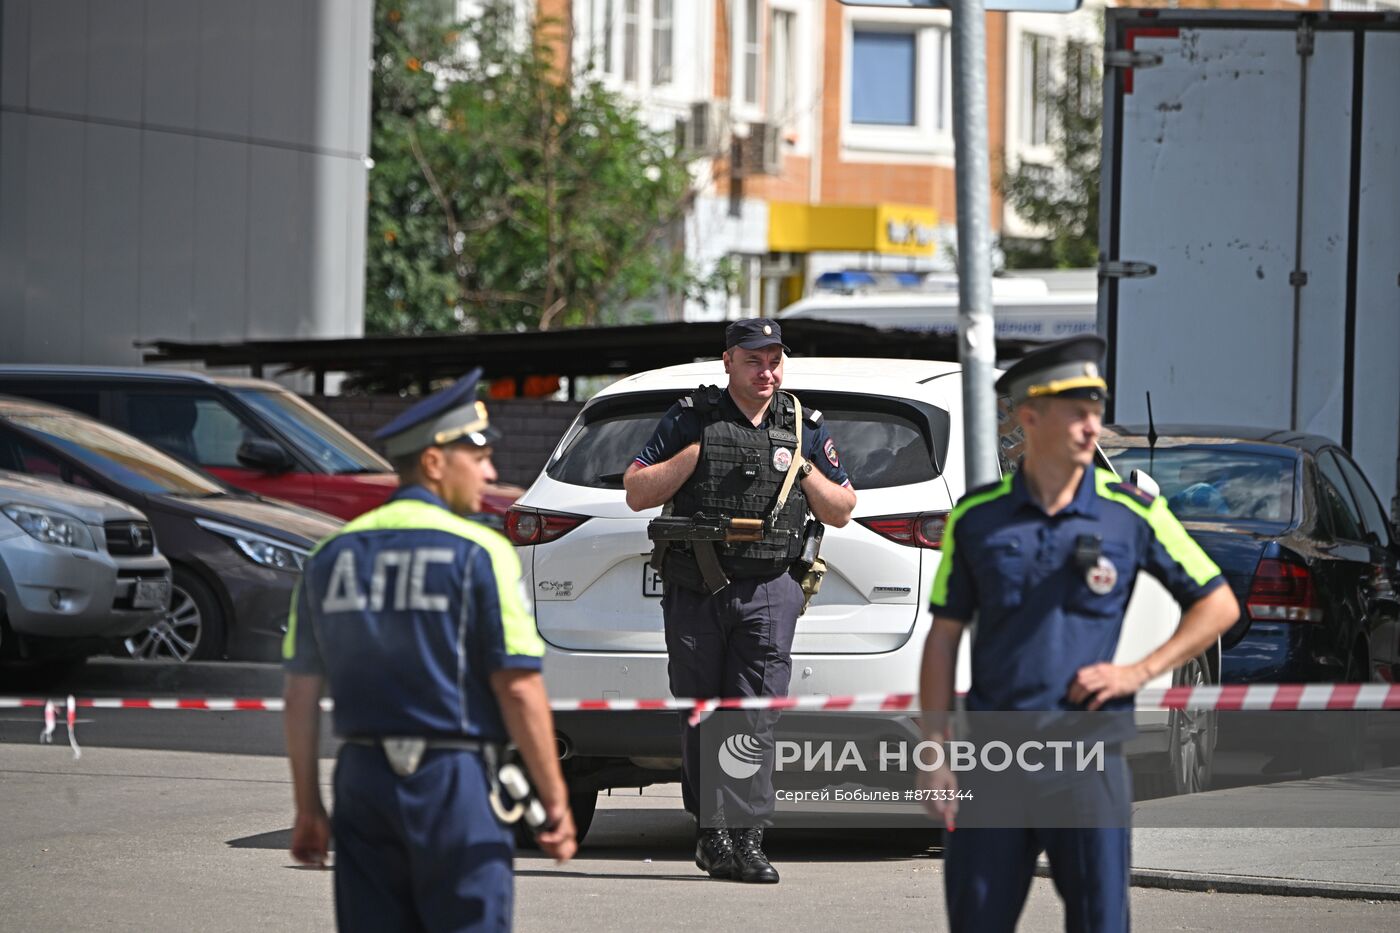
{"points": [[591, 351]]}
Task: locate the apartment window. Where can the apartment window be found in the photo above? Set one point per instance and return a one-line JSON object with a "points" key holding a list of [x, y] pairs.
{"points": [[1082, 73], [662, 41], [884, 69], [609, 62], [781, 55], [751, 51], [1035, 88], [631, 37]]}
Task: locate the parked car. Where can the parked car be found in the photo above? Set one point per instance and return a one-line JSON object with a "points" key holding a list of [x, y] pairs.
{"points": [[250, 433], [234, 557], [897, 426], [1305, 545], [78, 572]]}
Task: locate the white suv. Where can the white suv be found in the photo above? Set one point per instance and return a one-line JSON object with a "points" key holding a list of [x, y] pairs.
{"points": [[897, 428]]}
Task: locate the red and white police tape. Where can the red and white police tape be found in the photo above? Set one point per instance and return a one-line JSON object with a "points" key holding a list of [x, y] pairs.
{"points": [[1228, 698]]}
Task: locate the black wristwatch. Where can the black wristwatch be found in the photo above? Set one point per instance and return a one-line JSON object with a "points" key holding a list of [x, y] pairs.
{"points": [[805, 470]]}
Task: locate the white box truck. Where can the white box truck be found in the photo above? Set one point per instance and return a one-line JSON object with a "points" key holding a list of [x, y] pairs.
{"points": [[1250, 224]]}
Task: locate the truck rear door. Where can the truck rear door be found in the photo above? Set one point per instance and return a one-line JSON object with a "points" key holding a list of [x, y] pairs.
{"points": [[1250, 164]]}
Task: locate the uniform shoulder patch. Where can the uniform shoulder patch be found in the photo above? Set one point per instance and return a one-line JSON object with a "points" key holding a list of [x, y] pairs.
{"points": [[1140, 496]]}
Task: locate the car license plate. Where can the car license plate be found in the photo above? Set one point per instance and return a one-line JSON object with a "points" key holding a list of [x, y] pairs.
{"points": [[151, 594], [651, 581]]}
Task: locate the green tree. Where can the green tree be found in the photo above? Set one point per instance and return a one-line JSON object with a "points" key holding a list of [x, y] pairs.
{"points": [[1062, 198], [504, 197]]}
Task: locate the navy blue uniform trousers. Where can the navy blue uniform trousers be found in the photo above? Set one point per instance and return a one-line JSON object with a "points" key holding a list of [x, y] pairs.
{"points": [[423, 852], [988, 869], [736, 643]]}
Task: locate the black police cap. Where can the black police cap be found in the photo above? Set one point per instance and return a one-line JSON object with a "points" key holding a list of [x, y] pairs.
{"points": [[753, 334]]}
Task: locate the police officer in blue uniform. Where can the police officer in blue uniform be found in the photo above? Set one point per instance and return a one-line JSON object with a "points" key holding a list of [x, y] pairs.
{"points": [[417, 621], [734, 453], [1044, 562]]}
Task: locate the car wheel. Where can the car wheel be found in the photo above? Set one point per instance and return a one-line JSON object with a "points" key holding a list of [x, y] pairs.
{"points": [[193, 629], [1188, 765], [1193, 733], [583, 804]]}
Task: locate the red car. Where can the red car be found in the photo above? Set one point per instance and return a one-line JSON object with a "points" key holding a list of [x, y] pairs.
{"points": [[253, 434]]}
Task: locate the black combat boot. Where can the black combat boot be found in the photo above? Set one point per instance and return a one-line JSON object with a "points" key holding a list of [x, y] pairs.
{"points": [[752, 864], [714, 853]]}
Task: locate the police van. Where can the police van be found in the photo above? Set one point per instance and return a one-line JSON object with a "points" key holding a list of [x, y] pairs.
{"points": [[897, 431]]}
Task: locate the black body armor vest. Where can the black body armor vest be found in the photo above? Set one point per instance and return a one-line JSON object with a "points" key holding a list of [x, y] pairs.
{"points": [[737, 476]]}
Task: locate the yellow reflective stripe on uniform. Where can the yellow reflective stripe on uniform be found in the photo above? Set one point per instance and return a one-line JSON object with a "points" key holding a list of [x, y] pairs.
{"points": [[289, 641], [517, 622], [1179, 545], [939, 595]]}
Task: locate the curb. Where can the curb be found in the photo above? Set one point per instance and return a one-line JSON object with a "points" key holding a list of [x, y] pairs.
{"points": [[1252, 884]]}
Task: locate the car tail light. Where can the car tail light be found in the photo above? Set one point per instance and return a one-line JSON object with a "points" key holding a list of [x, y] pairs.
{"points": [[1283, 591], [923, 529], [530, 526]]}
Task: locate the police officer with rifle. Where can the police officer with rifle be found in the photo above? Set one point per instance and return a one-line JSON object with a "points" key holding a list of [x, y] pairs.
{"points": [[748, 477]]}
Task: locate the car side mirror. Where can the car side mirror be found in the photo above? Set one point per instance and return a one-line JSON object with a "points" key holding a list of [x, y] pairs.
{"points": [[1147, 484], [264, 455]]}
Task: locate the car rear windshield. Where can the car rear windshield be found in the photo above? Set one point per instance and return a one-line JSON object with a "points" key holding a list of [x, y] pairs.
{"points": [[314, 434], [880, 442], [1215, 483]]}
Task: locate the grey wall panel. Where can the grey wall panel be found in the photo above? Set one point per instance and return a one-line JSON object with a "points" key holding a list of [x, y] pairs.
{"points": [[14, 53], [14, 145], [358, 87], [225, 67], [116, 49], [167, 235], [334, 33], [53, 294], [283, 72], [280, 248], [220, 307], [172, 63], [356, 186], [330, 218], [111, 225], [231, 207], [58, 51]]}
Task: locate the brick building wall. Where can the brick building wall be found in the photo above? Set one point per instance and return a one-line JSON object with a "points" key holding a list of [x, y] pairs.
{"points": [[532, 427]]}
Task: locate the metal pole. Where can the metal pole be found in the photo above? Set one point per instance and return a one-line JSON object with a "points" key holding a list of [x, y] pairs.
{"points": [[976, 330]]}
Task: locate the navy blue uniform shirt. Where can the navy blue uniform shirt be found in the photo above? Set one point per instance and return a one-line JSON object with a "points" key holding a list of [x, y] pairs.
{"points": [[1039, 619], [406, 612], [680, 427]]}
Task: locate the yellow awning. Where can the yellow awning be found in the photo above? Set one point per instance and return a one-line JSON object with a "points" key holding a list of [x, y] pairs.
{"points": [[899, 229]]}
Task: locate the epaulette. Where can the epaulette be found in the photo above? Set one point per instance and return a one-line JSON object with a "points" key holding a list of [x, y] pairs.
{"points": [[813, 416], [1141, 496]]}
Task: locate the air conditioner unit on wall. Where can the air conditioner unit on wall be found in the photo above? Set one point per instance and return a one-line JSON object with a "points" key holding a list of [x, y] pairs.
{"points": [[763, 150], [705, 131]]}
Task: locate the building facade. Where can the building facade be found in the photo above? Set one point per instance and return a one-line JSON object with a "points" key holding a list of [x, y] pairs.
{"points": [[822, 132]]}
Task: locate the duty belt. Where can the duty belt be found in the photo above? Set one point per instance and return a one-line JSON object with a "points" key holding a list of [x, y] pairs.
{"points": [[406, 752]]}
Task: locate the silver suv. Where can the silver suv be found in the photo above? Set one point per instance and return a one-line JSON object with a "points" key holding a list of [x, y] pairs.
{"points": [[78, 572]]}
